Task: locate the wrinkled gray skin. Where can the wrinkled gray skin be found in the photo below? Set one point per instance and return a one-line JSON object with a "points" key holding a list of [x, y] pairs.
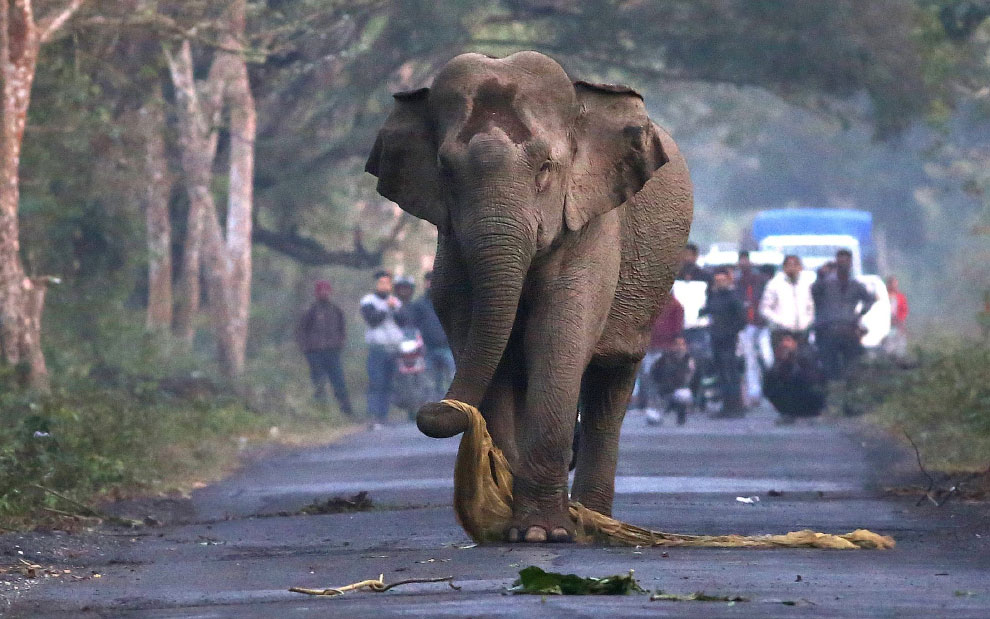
{"points": [[561, 210]]}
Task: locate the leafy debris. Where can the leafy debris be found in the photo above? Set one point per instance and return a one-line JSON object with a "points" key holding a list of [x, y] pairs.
{"points": [[534, 581], [360, 502]]}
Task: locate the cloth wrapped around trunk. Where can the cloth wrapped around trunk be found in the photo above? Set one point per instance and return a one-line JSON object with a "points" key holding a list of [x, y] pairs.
{"points": [[483, 503]]}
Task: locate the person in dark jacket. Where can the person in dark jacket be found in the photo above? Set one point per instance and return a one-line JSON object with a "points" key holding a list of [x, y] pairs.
{"points": [[795, 385], [320, 334], [690, 271], [840, 303], [671, 375], [728, 319], [439, 358]]}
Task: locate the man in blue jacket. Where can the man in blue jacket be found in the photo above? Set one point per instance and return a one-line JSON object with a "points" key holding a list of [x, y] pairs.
{"points": [[439, 359]]}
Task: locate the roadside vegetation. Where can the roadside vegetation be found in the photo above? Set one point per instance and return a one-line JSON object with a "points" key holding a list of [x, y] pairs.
{"points": [[145, 424], [941, 404]]}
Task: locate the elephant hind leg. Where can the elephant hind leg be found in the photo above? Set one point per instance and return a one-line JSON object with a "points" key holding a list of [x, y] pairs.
{"points": [[605, 393]]}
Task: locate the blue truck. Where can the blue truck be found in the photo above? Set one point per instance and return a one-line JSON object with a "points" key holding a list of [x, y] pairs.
{"points": [[816, 233]]}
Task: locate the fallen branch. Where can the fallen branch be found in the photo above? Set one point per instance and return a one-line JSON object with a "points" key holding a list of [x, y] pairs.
{"points": [[377, 585], [311, 252], [932, 483], [92, 512], [62, 512]]}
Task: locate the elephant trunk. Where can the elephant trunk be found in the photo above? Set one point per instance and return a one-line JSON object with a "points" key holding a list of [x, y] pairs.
{"points": [[499, 253]]}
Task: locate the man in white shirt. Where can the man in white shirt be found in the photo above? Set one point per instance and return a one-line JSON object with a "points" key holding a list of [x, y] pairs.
{"points": [[787, 304], [383, 336]]}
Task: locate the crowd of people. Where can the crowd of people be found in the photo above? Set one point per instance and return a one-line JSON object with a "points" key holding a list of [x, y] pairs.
{"points": [[732, 334], [409, 360], [792, 337]]}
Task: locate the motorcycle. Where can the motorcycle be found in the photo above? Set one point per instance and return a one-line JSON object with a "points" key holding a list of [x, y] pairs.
{"points": [[411, 389]]}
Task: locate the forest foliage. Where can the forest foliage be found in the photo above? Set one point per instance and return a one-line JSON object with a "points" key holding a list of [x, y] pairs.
{"points": [[881, 105]]}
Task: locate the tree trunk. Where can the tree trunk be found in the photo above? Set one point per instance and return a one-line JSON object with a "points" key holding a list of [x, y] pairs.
{"points": [[159, 225], [17, 64], [240, 202], [226, 254], [34, 305], [21, 299], [198, 144]]}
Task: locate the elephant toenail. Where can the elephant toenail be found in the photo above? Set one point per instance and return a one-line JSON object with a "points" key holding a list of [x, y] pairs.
{"points": [[513, 535], [560, 534], [536, 535]]}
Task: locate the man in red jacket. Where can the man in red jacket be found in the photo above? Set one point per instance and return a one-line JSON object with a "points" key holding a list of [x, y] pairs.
{"points": [[669, 324], [895, 344], [320, 334]]}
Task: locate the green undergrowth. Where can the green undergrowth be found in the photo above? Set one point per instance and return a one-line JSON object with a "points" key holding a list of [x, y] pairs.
{"points": [[111, 434], [941, 402]]}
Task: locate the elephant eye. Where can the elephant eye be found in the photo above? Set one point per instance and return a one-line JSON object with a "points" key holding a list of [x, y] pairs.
{"points": [[543, 176]]}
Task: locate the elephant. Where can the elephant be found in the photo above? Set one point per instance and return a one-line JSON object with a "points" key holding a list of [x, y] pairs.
{"points": [[561, 209]]}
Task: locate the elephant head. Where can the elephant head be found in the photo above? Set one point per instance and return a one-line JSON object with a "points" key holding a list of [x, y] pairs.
{"points": [[508, 156]]}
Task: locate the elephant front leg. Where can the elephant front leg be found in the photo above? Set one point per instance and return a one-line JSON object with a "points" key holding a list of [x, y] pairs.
{"points": [[555, 359], [605, 395], [543, 440]]}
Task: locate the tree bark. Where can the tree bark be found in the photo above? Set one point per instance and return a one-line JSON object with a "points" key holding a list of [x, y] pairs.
{"points": [[158, 222], [240, 202], [21, 299]]}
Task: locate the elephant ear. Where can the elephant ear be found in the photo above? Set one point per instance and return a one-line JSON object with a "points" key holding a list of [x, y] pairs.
{"points": [[404, 159], [617, 151]]}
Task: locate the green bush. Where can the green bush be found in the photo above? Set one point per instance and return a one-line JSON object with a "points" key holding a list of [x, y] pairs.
{"points": [[95, 436], [943, 404]]}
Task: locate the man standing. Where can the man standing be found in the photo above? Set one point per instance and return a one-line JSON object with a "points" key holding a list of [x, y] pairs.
{"points": [[320, 334], [728, 319], [383, 337], [690, 271], [750, 287], [840, 303], [787, 304], [439, 359]]}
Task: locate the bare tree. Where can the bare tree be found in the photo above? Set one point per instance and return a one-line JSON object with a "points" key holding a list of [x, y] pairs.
{"points": [[21, 298]]}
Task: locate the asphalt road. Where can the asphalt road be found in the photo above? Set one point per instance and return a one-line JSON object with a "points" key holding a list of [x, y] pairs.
{"points": [[231, 555]]}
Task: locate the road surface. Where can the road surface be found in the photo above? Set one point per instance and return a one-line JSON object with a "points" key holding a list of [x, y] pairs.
{"points": [[231, 555]]}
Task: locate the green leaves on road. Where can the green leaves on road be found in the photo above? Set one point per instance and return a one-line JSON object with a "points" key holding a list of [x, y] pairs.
{"points": [[533, 580]]}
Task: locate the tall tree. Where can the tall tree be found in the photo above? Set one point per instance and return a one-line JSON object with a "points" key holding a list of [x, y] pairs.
{"points": [[21, 298], [227, 253]]}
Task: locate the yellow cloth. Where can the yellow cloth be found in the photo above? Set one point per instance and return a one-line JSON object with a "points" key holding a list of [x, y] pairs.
{"points": [[483, 503]]}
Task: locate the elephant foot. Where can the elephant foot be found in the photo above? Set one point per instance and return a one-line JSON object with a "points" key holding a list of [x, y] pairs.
{"points": [[539, 517], [439, 420], [538, 535]]}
